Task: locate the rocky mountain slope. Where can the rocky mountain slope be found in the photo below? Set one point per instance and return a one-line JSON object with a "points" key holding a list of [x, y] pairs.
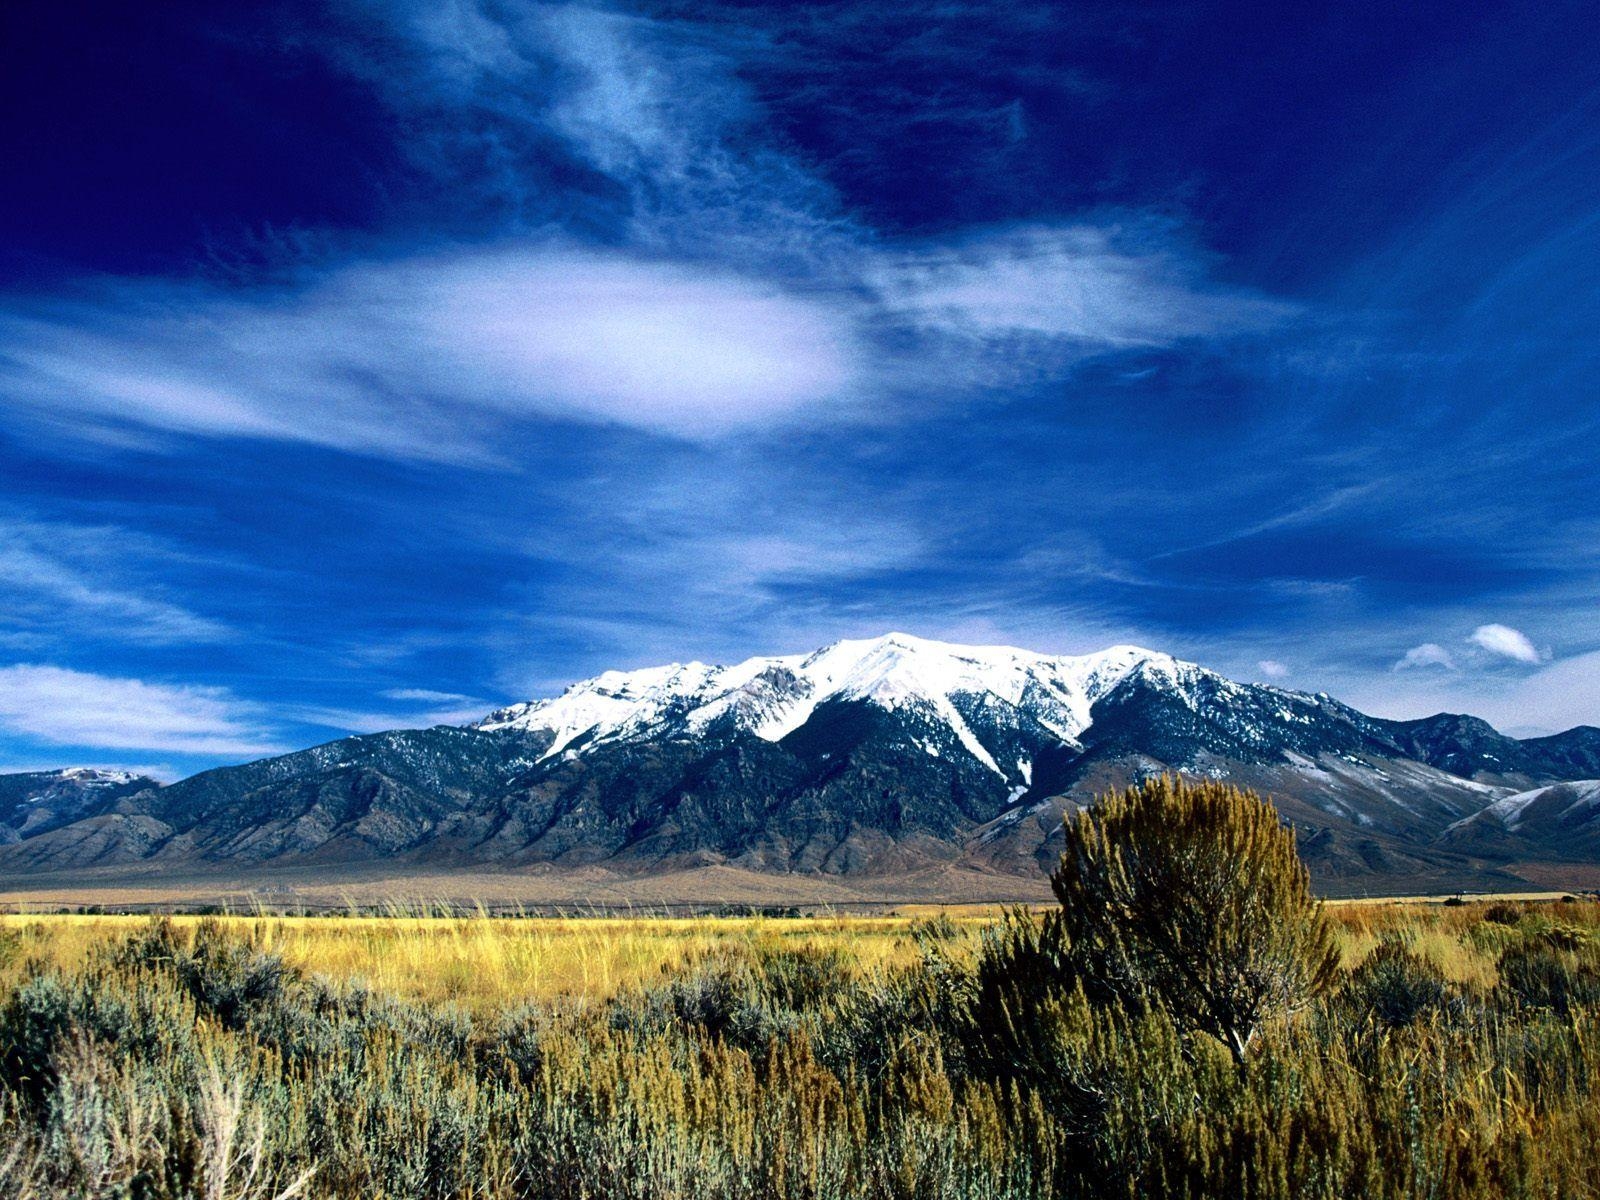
{"points": [[871, 757], [1557, 821], [35, 802]]}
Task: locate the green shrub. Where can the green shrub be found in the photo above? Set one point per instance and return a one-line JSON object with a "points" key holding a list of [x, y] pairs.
{"points": [[1024, 977], [1537, 974], [1502, 913], [803, 978], [1562, 937], [1192, 893], [1395, 988], [228, 977], [33, 1023]]}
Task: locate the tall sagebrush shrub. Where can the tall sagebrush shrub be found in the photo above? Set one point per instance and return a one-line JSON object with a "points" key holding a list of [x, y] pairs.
{"points": [[1192, 894]]}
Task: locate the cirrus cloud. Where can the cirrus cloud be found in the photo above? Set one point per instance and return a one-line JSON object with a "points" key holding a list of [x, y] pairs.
{"points": [[74, 581], [64, 707], [696, 278], [1121, 285], [429, 356]]}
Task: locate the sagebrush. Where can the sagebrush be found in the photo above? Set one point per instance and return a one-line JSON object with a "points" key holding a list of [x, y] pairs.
{"points": [[1454, 1057]]}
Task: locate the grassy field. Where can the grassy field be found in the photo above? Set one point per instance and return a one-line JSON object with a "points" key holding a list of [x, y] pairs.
{"points": [[442, 1056], [481, 962]]}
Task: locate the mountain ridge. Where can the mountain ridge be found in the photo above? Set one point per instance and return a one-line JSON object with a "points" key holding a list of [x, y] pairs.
{"points": [[864, 758], [34, 802]]}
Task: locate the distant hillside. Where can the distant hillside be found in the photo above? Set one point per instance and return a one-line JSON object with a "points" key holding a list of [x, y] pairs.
{"points": [[35, 802], [865, 759]]}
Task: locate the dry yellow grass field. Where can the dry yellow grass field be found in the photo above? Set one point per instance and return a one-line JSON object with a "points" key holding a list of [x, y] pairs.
{"points": [[759, 1058], [480, 961]]}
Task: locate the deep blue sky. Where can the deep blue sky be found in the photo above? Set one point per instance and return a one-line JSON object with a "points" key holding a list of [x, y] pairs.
{"points": [[373, 364]]}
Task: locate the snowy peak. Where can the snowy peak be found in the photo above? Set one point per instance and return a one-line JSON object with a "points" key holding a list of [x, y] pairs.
{"points": [[772, 697], [898, 667], [617, 702], [36, 786], [1559, 821], [96, 776], [33, 801]]}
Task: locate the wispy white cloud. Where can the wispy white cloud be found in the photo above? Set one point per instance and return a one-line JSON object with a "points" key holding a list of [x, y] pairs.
{"points": [[655, 108], [1319, 506], [82, 581], [77, 708], [1505, 642], [739, 557], [1096, 286], [377, 719], [427, 696], [660, 108], [723, 557], [1273, 669], [724, 292], [428, 357], [1428, 654], [438, 355], [413, 708]]}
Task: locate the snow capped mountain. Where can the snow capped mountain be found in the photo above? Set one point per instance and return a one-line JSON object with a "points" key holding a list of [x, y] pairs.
{"points": [[95, 777], [33, 801], [874, 757], [771, 697], [37, 787]]}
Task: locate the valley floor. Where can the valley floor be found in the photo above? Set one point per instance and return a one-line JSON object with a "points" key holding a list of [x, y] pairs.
{"points": [[483, 962], [579, 890], [596, 889]]}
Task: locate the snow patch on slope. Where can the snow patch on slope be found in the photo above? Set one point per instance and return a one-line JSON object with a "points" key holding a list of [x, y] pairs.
{"points": [[82, 779], [1512, 811]]}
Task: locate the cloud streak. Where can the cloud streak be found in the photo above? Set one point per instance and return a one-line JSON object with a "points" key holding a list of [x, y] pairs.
{"points": [[64, 707], [437, 356], [1094, 287], [665, 143], [78, 581], [427, 357]]}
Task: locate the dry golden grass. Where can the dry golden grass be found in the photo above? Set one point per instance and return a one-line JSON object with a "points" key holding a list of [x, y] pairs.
{"points": [[1454, 938], [481, 961], [763, 1075]]}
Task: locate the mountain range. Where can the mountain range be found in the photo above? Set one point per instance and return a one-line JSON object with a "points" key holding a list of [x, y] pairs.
{"points": [[871, 760]]}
